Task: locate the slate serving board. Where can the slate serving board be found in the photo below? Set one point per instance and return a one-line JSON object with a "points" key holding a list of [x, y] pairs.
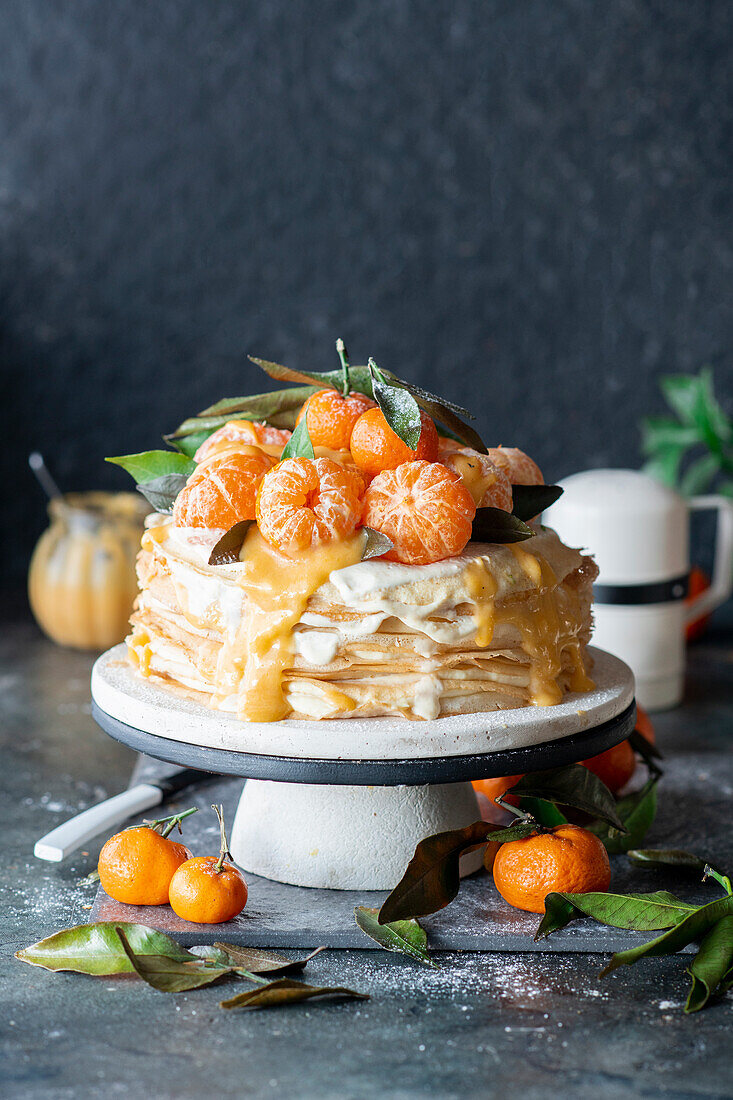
{"points": [[293, 917]]}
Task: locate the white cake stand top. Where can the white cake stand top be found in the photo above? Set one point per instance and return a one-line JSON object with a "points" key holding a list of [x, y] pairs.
{"points": [[126, 703]]}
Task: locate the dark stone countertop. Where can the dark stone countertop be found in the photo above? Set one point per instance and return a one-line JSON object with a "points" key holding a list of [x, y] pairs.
{"points": [[528, 1025]]}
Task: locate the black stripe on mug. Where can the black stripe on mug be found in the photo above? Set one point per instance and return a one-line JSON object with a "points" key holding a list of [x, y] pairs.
{"points": [[634, 594]]}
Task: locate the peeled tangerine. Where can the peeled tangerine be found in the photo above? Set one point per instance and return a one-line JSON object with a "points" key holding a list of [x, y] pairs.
{"points": [[304, 502], [424, 508], [242, 432], [487, 483], [222, 491]]}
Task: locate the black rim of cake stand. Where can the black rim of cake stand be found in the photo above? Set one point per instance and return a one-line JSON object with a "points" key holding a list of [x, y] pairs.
{"points": [[381, 773]]}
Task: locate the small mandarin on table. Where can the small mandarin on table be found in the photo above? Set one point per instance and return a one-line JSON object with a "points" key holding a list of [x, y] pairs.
{"points": [[207, 889], [136, 866], [564, 859]]}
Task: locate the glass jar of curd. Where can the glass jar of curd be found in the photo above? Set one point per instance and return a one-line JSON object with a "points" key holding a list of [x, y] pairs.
{"points": [[81, 582]]}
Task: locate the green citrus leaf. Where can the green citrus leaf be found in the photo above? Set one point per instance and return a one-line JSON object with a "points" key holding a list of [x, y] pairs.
{"points": [[692, 928], [264, 962], [544, 812], [643, 912], [529, 500], [572, 786], [299, 445], [712, 967], [96, 948], [376, 544], [284, 991], [431, 879], [229, 546], [667, 857], [496, 525], [150, 465], [172, 975], [637, 812], [161, 492], [404, 936], [400, 409]]}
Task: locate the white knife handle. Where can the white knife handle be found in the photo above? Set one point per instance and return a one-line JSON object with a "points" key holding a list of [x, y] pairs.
{"points": [[59, 843]]}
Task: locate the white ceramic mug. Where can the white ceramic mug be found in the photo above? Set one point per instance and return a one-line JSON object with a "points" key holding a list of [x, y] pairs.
{"points": [[638, 530]]}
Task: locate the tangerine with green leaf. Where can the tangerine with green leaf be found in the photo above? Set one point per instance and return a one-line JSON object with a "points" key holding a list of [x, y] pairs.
{"points": [[136, 866], [375, 447], [331, 418], [566, 859]]}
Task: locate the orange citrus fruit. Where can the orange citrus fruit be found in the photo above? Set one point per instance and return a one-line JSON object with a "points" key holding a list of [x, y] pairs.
{"points": [[487, 483], [331, 417], [375, 447], [222, 491], [698, 583], [614, 767], [137, 865], [252, 432], [496, 787], [204, 895], [304, 502], [518, 467], [644, 725], [424, 508], [566, 859]]}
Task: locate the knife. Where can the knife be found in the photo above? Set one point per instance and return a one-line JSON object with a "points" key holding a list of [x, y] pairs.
{"points": [[65, 839]]}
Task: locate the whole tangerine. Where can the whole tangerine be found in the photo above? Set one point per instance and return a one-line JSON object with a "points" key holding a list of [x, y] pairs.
{"points": [[614, 767], [424, 508], [136, 866], [222, 490], [567, 859], [304, 502], [331, 417], [207, 889], [496, 787], [644, 725], [375, 447], [518, 466]]}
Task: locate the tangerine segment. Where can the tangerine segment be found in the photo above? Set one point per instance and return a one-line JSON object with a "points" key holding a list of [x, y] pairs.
{"points": [[424, 508], [614, 767], [518, 467], [487, 483], [304, 502], [567, 859], [375, 447], [204, 895], [222, 491], [252, 432], [137, 865], [331, 417]]}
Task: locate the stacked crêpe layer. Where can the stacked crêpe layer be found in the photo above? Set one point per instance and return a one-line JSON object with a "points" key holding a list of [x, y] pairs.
{"points": [[500, 626]]}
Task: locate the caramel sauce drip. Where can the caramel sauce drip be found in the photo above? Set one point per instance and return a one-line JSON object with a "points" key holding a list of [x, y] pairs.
{"points": [[276, 590], [544, 621]]}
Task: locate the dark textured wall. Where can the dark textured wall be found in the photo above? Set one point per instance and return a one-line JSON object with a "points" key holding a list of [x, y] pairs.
{"points": [[525, 204]]}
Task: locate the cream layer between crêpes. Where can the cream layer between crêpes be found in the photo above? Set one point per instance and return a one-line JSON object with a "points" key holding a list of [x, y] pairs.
{"points": [[499, 626]]}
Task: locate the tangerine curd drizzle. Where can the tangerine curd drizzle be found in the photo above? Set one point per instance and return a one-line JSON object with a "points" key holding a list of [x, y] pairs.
{"points": [[276, 590], [542, 621]]}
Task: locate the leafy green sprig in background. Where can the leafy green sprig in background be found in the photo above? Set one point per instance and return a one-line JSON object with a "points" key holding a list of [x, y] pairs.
{"points": [[693, 450]]}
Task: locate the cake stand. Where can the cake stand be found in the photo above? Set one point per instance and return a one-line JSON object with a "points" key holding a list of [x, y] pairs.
{"points": [[341, 803]]}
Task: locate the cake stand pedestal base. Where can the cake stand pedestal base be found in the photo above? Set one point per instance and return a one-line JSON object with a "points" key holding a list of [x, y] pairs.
{"points": [[344, 837]]}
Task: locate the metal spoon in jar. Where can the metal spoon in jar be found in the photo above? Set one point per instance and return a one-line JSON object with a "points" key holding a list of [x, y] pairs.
{"points": [[40, 469]]}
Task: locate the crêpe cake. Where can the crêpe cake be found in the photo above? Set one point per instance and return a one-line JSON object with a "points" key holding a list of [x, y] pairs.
{"points": [[332, 636]]}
